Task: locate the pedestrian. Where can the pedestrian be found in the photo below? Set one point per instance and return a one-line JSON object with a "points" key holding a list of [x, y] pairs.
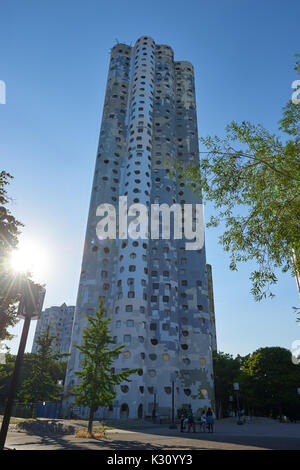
{"points": [[210, 420], [182, 418], [203, 422], [191, 421]]}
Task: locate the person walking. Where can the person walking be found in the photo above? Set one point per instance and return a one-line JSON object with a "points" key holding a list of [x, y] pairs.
{"points": [[210, 420]]}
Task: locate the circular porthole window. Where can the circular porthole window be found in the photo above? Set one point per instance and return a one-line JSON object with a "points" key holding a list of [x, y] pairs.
{"points": [[186, 361]]}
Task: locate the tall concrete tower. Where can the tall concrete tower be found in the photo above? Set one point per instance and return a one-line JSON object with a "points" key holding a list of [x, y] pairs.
{"points": [[60, 322], [155, 291]]}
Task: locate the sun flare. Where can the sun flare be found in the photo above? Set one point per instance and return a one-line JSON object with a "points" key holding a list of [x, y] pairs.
{"points": [[29, 257]]}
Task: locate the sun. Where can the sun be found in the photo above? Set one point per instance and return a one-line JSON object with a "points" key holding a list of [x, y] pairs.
{"points": [[21, 261], [29, 257]]}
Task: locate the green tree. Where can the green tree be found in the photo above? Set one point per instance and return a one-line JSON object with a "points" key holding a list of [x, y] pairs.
{"points": [[227, 370], [9, 285], [40, 385], [6, 370], [98, 377], [252, 177], [271, 380], [57, 370]]}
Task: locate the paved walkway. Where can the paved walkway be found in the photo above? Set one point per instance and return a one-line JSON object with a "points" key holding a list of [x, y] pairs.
{"points": [[227, 435]]}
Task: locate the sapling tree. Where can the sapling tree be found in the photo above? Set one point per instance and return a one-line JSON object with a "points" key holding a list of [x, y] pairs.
{"points": [[98, 376]]}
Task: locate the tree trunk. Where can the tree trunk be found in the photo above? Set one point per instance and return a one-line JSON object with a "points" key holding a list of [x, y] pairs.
{"points": [[220, 411], [91, 419], [34, 406]]}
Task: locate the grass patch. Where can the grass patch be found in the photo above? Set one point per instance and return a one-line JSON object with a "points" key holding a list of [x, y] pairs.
{"points": [[103, 428], [18, 420]]}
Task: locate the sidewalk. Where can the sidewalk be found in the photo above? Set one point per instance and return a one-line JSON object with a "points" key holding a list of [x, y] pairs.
{"points": [[227, 435]]}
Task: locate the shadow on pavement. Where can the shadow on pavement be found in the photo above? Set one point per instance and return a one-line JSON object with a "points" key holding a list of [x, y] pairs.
{"points": [[71, 443], [265, 442]]}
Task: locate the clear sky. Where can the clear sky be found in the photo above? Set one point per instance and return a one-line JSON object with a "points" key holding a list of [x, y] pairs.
{"points": [[54, 60]]}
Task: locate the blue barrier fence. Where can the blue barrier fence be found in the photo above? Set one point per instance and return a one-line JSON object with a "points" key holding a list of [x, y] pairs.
{"points": [[48, 410]]}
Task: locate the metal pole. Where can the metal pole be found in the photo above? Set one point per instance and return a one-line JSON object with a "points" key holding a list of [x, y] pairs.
{"points": [[173, 425], [297, 274], [154, 409], [14, 382], [238, 407], [173, 402]]}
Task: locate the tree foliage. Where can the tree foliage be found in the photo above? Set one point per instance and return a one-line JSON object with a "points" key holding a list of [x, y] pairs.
{"points": [[268, 382], [57, 371], [98, 377], [252, 177], [41, 384], [13, 286], [271, 381], [227, 370], [9, 288]]}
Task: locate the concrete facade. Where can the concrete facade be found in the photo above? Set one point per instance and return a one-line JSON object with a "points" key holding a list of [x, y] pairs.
{"points": [[60, 321], [213, 332], [155, 291]]}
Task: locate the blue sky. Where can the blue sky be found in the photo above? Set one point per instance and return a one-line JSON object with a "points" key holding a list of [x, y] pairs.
{"points": [[54, 60]]}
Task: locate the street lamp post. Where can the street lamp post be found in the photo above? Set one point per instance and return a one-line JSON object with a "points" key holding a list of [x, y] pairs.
{"points": [[231, 402], [60, 384], [173, 378], [30, 307], [236, 387], [154, 405]]}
